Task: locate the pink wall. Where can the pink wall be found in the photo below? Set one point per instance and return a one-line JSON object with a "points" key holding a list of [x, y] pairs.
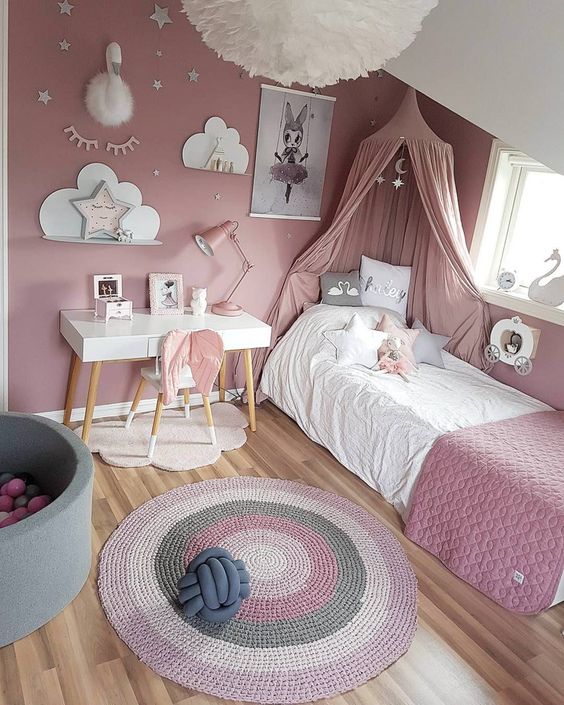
{"points": [[472, 149], [46, 277]]}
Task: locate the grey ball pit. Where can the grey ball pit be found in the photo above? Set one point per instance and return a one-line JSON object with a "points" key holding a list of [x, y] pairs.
{"points": [[45, 558]]}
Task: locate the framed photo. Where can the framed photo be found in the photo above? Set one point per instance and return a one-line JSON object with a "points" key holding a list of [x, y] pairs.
{"points": [[107, 285], [166, 294], [291, 156]]}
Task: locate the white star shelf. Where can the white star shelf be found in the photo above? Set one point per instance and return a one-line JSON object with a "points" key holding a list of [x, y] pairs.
{"points": [[92, 212]]}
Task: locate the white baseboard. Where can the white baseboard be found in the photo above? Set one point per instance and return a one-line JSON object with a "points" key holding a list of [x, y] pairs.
{"points": [[122, 408]]}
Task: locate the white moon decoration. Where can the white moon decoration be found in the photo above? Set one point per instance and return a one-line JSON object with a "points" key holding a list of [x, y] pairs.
{"points": [[399, 163], [289, 44]]}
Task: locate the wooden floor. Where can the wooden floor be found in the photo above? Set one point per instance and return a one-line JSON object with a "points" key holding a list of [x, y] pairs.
{"points": [[467, 650]]}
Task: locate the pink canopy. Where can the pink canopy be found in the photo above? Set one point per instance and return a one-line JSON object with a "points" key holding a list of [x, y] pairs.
{"points": [[418, 224]]}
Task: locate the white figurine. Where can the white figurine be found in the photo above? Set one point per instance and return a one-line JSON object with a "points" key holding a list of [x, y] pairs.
{"points": [[199, 301]]}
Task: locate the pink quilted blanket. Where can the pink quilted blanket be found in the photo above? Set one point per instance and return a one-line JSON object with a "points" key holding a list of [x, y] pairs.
{"points": [[489, 503]]}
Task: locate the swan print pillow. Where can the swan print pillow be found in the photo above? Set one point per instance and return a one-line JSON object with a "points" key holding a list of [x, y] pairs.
{"points": [[384, 285], [340, 289]]}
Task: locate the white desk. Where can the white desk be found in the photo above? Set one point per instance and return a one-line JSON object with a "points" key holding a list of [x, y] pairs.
{"points": [[97, 342]]}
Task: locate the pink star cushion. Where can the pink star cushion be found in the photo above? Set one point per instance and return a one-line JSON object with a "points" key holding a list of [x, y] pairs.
{"points": [[406, 336]]}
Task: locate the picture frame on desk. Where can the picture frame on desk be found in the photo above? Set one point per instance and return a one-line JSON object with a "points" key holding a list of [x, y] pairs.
{"points": [[166, 294]]}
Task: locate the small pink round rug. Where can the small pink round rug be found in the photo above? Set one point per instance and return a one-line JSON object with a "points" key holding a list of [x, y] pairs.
{"points": [[333, 598]]}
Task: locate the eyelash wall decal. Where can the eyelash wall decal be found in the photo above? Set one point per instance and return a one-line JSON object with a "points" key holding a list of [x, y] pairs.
{"points": [[80, 141], [122, 148]]}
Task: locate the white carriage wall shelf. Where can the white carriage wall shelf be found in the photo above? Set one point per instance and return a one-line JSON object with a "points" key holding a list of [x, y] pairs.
{"points": [[513, 343]]}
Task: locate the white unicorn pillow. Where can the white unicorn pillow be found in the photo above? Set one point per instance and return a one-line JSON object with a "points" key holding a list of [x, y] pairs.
{"points": [[384, 285], [340, 289]]}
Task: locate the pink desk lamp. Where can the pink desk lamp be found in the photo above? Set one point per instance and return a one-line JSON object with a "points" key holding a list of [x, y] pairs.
{"points": [[208, 242]]}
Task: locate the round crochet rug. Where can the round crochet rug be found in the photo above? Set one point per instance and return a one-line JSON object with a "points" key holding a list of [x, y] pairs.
{"points": [[333, 598]]}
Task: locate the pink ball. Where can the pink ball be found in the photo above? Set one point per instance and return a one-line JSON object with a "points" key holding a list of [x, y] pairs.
{"points": [[20, 513], [4, 489], [6, 503], [15, 487], [9, 521], [36, 504]]}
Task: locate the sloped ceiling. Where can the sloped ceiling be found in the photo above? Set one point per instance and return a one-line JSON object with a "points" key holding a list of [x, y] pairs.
{"points": [[499, 64]]}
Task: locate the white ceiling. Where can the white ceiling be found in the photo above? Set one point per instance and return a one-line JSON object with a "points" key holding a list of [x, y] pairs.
{"points": [[499, 64]]}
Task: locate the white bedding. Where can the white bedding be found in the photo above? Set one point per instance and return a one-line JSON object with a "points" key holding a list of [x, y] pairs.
{"points": [[378, 426]]}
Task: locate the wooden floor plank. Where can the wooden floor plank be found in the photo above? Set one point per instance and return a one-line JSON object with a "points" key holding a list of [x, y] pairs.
{"points": [[467, 650]]}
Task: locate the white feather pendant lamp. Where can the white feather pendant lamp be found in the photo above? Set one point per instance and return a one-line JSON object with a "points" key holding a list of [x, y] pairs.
{"points": [[312, 42], [108, 97]]}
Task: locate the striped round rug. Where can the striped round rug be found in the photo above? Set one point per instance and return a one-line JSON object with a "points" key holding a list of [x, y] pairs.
{"points": [[333, 598]]}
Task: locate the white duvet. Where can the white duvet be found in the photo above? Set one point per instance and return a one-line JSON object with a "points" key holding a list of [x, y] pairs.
{"points": [[378, 426]]}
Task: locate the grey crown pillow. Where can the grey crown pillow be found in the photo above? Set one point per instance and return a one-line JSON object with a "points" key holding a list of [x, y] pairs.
{"points": [[427, 346], [340, 289]]}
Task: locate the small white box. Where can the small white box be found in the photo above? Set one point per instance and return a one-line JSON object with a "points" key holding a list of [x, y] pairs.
{"points": [[108, 299]]}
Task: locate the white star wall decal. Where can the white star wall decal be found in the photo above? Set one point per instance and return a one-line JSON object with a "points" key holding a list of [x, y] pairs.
{"points": [[193, 75], [102, 213], [65, 46], [65, 8], [397, 183], [157, 85], [217, 196], [380, 180], [44, 97], [160, 15]]}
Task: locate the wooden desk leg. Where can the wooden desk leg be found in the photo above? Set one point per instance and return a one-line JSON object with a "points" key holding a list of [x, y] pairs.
{"points": [[74, 371], [222, 375], [91, 400], [250, 389]]}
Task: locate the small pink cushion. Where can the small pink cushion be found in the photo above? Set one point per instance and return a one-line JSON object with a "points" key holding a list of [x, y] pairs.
{"points": [[406, 335]]}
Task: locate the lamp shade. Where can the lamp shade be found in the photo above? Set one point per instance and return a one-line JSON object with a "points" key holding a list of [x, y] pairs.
{"points": [[211, 239]]}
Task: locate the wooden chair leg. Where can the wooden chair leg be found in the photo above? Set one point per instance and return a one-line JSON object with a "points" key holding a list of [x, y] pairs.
{"points": [[187, 403], [135, 404], [156, 424], [209, 418], [222, 375]]}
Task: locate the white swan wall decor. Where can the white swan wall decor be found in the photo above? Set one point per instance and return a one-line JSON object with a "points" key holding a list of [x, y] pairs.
{"points": [[551, 293], [108, 97]]}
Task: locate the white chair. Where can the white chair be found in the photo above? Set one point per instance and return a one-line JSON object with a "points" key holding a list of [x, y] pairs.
{"points": [[153, 376]]}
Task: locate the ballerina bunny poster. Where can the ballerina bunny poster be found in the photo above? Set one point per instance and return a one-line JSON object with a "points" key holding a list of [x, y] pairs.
{"points": [[292, 145]]}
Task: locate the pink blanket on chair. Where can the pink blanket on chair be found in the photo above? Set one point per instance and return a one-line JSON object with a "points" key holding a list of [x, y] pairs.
{"points": [[201, 350], [489, 503]]}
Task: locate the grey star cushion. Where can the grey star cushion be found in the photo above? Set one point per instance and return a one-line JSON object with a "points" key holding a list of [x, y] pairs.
{"points": [[427, 347], [340, 289]]}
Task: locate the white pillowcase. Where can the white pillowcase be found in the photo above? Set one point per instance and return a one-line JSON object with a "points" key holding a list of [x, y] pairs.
{"points": [[356, 344], [385, 285]]}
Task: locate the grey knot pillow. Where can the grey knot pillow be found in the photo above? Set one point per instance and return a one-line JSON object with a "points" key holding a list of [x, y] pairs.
{"points": [[340, 289]]}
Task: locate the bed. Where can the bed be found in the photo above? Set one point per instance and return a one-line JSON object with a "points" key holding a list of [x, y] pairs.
{"points": [[378, 426]]}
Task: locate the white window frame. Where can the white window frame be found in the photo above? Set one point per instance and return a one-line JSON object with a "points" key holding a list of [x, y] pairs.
{"points": [[4, 206], [500, 196]]}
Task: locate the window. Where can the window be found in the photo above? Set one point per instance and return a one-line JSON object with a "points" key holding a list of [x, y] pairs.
{"points": [[520, 224]]}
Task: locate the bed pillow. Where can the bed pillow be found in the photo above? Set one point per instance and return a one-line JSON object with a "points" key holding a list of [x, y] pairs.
{"points": [[384, 285], [356, 344], [340, 289], [427, 347], [406, 335]]}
